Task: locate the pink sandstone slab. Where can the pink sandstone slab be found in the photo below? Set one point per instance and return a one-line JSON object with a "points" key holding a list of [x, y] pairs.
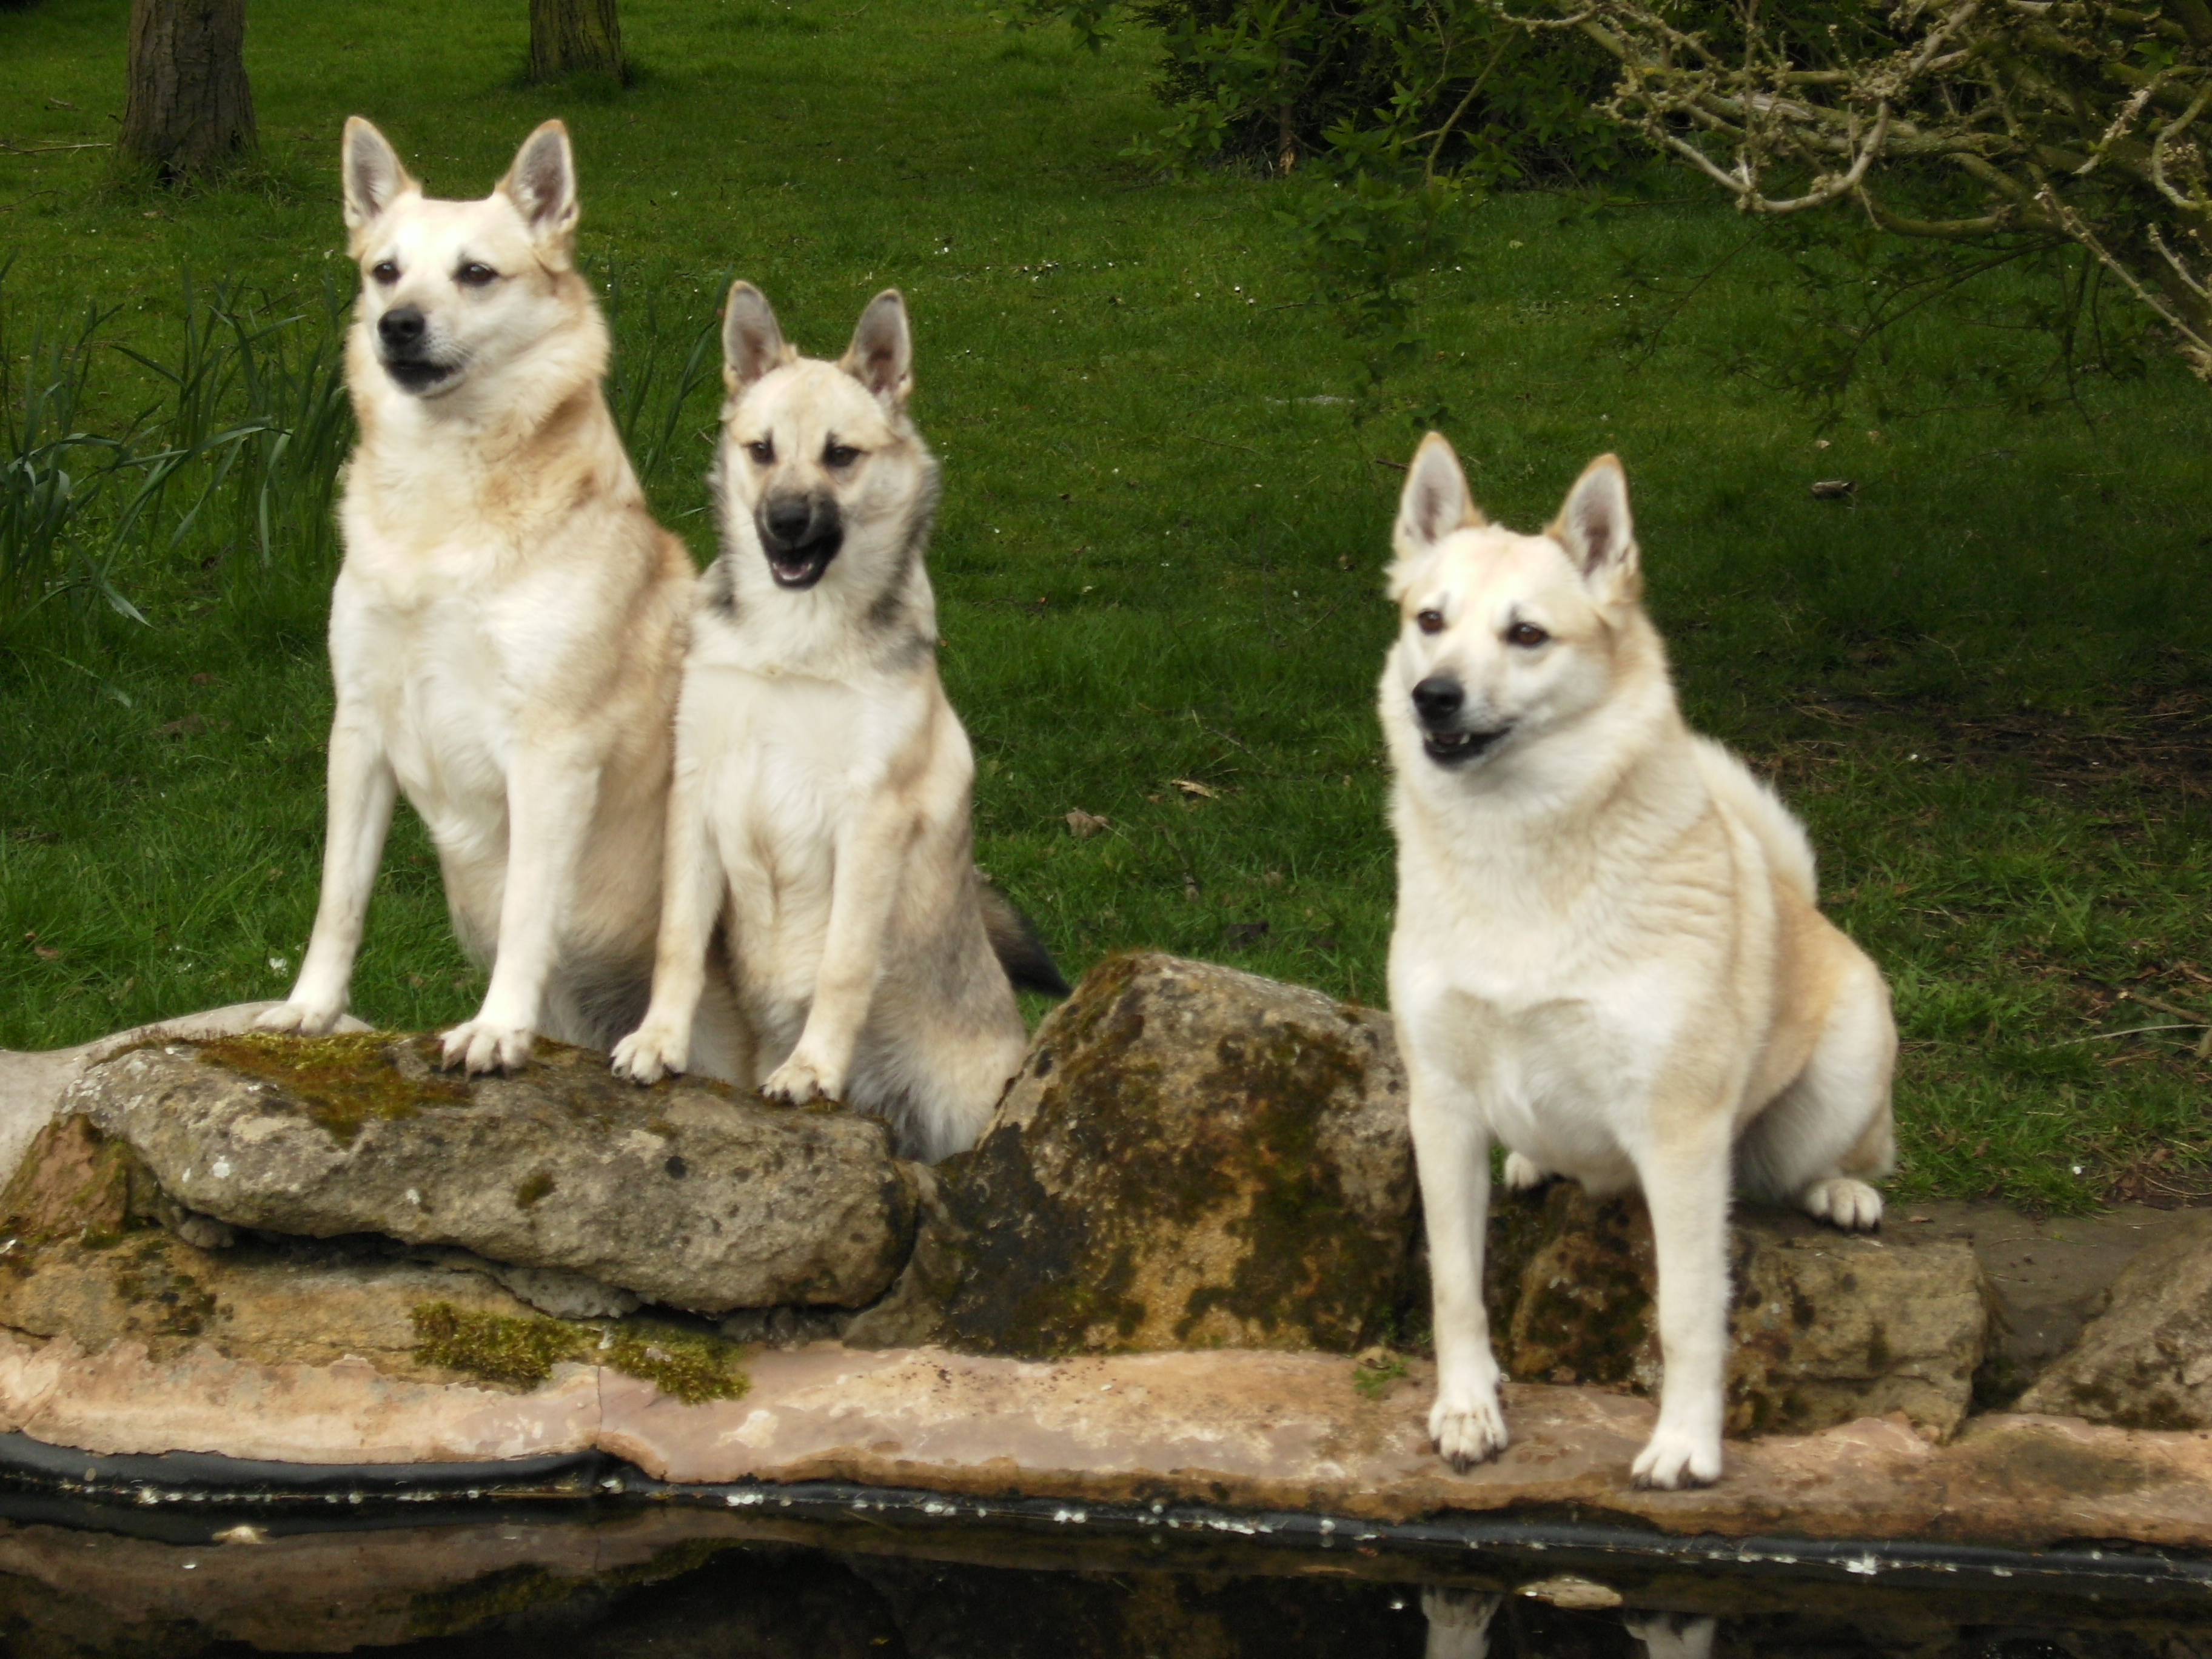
{"points": [[1239, 1430]]}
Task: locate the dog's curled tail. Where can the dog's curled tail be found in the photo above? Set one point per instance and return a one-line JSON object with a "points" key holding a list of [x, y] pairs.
{"points": [[1015, 942]]}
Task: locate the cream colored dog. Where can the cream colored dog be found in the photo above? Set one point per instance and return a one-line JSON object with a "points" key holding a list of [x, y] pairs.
{"points": [[507, 629], [822, 781], [1607, 953]]}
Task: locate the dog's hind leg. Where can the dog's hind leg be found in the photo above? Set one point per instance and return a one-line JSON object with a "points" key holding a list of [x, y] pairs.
{"points": [[1828, 1136], [1524, 1175]]}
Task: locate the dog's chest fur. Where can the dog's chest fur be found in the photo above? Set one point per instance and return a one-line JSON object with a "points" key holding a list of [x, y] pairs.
{"points": [[1555, 974], [785, 760]]}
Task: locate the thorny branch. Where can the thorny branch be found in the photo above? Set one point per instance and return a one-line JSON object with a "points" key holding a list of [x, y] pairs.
{"points": [[2065, 121]]}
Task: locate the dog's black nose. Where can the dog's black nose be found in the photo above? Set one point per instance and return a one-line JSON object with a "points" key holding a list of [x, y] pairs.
{"points": [[787, 518], [1438, 699], [400, 329]]}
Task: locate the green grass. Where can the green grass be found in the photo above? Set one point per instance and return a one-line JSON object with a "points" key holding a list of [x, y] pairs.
{"points": [[1984, 683]]}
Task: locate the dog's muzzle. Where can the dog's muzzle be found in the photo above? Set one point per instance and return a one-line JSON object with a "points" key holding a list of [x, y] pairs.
{"points": [[1439, 703], [801, 534], [403, 339]]}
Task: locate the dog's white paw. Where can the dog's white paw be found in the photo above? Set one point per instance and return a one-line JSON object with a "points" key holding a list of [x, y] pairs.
{"points": [[1673, 1635], [1458, 1621], [1851, 1205], [1467, 1425], [652, 1052], [800, 1079], [300, 1019], [481, 1046], [1524, 1174], [1676, 1458]]}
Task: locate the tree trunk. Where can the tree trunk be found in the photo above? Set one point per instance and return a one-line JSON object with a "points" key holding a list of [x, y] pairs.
{"points": [[189, 107], [569, 35]]}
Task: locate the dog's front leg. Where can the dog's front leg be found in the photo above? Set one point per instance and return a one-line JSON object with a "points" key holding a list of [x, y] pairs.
{"points": [[1684, 1173], [361, 788], [871, 863], [550, 795], [1452, 1155], [690, 900]]}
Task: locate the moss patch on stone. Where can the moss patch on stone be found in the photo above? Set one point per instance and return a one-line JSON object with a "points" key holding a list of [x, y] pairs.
{"points": [[1231, 1154], [344, 1084], [75, 1183], [1311, 1260], [532, 1189], [686, 1366]]}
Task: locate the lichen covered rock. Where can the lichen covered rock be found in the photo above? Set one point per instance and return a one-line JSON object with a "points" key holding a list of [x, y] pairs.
{"points": [[1826, 1327], [2145, 1361], [1192, 1157], [683, 1194]]}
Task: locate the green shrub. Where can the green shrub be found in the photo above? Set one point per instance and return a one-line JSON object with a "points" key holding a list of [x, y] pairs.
{"points": [[1274, 82]]}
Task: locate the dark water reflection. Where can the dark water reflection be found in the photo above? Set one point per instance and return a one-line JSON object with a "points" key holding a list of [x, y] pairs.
{"points": [[675, 1586]]}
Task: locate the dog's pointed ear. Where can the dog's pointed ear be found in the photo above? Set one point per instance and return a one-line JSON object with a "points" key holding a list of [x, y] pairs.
{"points": [[881, 356], [1595, 528], [542, 184], [1435, 501], [371, 172], [752, 340]]}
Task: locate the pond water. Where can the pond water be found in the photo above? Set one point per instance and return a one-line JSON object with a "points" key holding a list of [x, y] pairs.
{"points": [[845, 1576]]}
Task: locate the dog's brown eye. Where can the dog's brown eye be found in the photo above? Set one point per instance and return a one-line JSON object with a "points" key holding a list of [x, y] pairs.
{"points": [[839, 455], [384, 271], [1527, 636], [1431, 621], [473, 274], [762, 450]]}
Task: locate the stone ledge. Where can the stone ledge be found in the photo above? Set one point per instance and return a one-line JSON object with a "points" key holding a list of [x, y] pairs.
{"points": [[1233, 1429]]}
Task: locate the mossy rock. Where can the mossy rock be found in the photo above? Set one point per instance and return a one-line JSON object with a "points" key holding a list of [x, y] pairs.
{"points": [[1824, 1328], [1191, 1156], [685, 1195]]}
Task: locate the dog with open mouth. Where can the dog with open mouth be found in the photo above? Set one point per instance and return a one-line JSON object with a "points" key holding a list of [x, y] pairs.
{"points": [[1608, 955], [508, 627], [821, 812]]}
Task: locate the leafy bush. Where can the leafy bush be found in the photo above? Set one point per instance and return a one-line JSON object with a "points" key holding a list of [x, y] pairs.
{"points": [[1275, 83], [2059, 128]]}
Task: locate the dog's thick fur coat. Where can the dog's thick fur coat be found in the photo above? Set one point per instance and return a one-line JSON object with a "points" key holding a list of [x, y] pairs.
{"points": [[821, 806], [1607, 954], [508, 628]]}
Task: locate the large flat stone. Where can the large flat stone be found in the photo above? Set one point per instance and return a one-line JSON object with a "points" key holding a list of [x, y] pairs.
{"points": [[31, 1083], [1232, 1429], [1191, 1156], [682, 1194]]}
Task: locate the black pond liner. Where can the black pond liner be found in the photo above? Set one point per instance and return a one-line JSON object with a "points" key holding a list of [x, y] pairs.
{"points": [[186, 1498]]}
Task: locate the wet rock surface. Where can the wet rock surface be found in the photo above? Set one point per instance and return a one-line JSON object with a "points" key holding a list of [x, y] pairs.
{"points": [[2145, 1361], [683, 1195], [1191, 1156], [1826, 1326]]}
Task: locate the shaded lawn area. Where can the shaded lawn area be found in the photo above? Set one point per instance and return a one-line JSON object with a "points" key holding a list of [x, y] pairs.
{"points": [[1982, 679]]}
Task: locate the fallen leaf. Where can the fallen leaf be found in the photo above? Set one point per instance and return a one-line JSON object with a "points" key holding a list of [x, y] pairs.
{"points": [[1083, 825], [1242, 935], [1192, 787], [45, 953], [185, 727], [1834, 490]]}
